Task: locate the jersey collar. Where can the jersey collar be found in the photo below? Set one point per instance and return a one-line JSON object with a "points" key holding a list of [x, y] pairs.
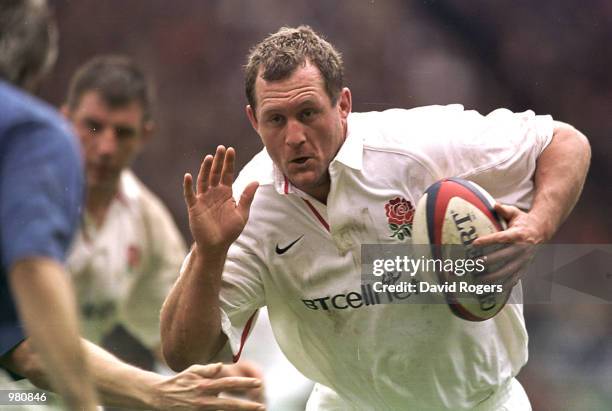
{"points": [[351, 151], [126, 198]]}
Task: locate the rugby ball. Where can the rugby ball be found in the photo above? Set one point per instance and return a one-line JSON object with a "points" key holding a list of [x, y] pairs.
{"points": [[450, 215]]}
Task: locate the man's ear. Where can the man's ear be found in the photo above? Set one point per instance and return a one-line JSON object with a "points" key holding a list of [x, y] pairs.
{"points": [[147, 130], [252, 118], [346, 102]]}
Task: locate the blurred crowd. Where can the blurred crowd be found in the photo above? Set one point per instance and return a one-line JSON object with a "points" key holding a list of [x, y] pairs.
{"points": [[549, 56]]}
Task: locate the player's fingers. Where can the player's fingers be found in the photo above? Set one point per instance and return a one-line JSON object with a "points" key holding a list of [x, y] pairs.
{"points": [[217, 166], [232, 404], [246, 199], [502, 274], [508, 212], [248, 369], [227, 173], [242, 368], [202, 183], [218, 385], [515, 277], [188, 193], [206, 371], [256, 394], [501, 237], [503, 253]]}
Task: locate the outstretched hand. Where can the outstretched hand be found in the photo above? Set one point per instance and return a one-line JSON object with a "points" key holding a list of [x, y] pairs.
{"points": [[197, 388], [215, 219]]}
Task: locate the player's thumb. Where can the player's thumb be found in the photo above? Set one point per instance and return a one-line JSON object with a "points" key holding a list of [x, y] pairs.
{"points": [[507, 212], [246, 199]]}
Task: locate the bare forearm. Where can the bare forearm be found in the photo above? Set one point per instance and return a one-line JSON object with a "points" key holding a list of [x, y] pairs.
{"points": [[118, 383], [560, 175], [190, 317], [47, 307]]}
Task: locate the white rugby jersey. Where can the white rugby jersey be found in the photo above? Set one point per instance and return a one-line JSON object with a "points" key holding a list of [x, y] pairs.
{"points": [[123, 270], [301, 259]]}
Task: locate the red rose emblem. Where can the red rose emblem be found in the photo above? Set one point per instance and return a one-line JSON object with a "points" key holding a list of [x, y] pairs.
{"points": [[399, 211]]}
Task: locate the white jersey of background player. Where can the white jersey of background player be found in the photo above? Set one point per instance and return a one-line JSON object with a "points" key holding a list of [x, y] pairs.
{"points": [[327, 181], [128, 245], [123, 269]]}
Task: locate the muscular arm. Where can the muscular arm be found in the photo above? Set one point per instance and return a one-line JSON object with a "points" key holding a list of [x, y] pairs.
{"points": [[560, 174], [46, 304], [191, 334], [190, 320], [559, 177]]}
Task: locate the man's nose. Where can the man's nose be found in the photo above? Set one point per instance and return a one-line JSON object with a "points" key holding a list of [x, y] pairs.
{"points": [[107, 143], [295, 133]]}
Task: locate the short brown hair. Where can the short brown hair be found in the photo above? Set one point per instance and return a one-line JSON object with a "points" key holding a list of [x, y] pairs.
{"points": [[118, 80], [279, 54]]}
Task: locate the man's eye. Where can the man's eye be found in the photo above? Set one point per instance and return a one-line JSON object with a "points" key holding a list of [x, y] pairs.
{"points": [[93, 126], [125, 132], [276, 119], [307, 114]]}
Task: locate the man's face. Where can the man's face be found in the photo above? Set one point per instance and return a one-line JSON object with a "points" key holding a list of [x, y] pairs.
{"points": [[110, 137], [300, 127]]}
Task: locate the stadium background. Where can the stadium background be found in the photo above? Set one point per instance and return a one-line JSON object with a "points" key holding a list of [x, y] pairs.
{"points": [[550, 56]]}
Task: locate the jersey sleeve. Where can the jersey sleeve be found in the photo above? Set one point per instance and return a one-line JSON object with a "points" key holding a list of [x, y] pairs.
{"points": [[500, 153], [41, 192], [242, 293], [497, 151], [165, 250]]}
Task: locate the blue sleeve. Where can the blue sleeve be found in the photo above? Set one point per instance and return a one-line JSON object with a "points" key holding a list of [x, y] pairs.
{"points": [[41, 193], [11, 335]]}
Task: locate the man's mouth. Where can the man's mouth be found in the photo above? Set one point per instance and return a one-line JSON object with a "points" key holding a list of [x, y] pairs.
{"points": [[300, 160], [102, 170]]}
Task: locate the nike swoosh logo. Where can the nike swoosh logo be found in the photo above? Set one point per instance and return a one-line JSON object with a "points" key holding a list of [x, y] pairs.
{"points": [[283, 250]]}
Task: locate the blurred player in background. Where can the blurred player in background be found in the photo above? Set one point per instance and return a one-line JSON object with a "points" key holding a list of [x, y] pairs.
{"points": [[128, 250], [41, 188], [325, 179]]}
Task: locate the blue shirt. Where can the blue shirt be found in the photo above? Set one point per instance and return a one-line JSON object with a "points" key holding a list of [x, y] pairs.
{"points": [[41, 192]]}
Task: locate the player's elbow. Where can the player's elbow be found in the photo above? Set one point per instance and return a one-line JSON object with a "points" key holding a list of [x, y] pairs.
{"points": [[178, 360], [184, 343], [180, 354], [572, 138], [177, 354]]}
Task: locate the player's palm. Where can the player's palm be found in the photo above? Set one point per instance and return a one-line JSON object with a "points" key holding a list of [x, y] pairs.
{"points": [[214, 217]]}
